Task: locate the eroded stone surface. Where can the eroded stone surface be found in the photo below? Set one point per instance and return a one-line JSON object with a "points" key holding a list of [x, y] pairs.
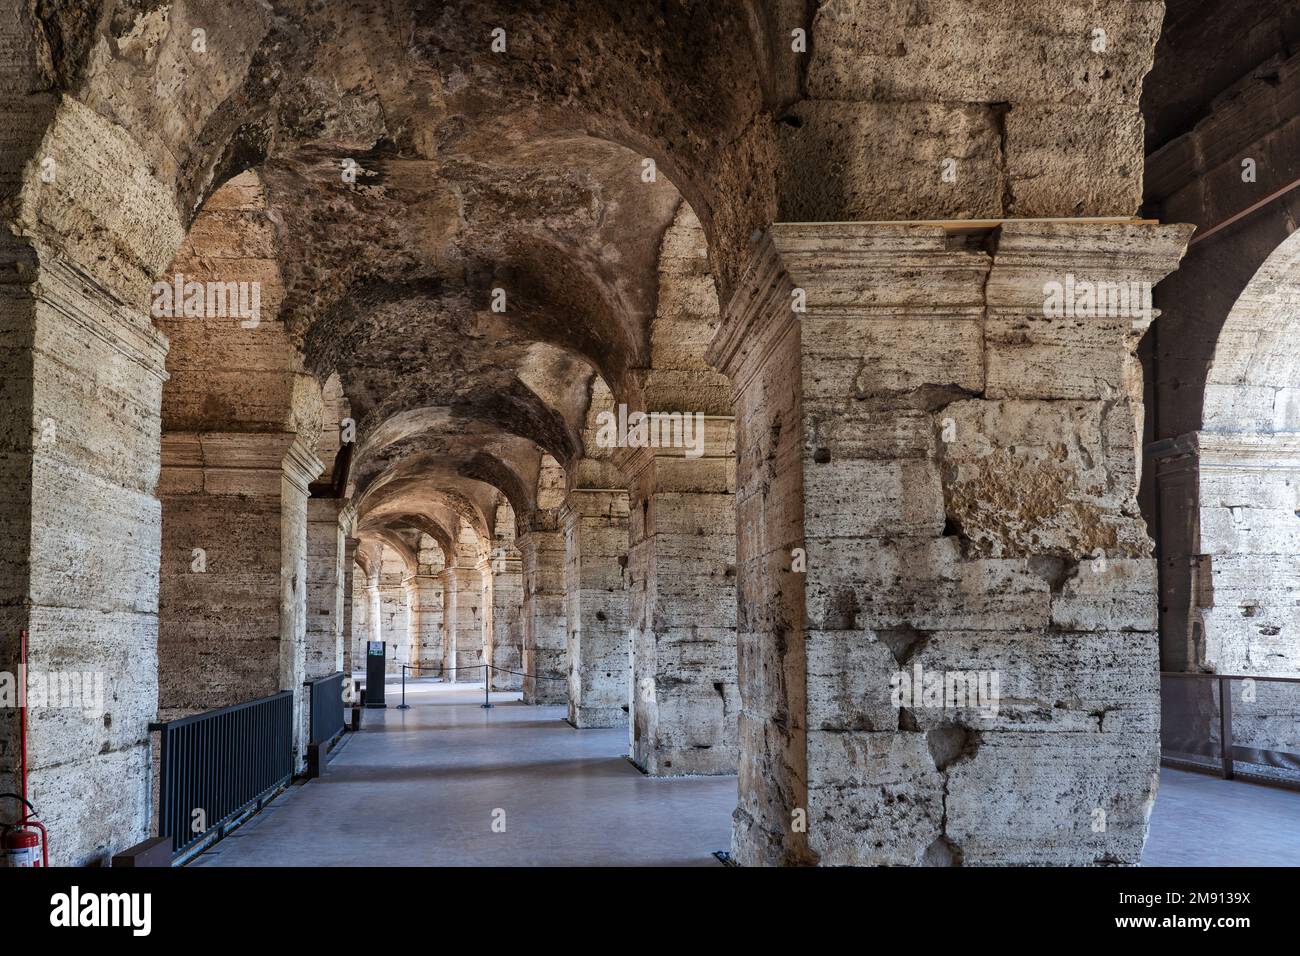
{"points": [[964, 529], [462, 258]]}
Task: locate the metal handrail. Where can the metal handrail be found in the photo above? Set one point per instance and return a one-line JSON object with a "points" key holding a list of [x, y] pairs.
{"points": [[325, 707], [1218, 716], [218, 764]]}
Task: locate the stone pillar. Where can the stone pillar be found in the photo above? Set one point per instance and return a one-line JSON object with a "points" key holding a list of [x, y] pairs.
{"points": [[463, 612], [426, 607], [937, 476], [81, 378], [448, 625], [426, 617], [545, 641], [86, 229], [233, 595], [375, 612], [507, 651], [328, 600], [682, 580], [395, 615], [327, 596], [1186, 586], [484, 569], [1229, 541], [350, 622], [365, 609], [596, 606]]}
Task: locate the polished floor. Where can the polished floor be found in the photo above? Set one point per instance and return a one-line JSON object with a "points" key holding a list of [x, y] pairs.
{"points": [[1201, 820], [425, 786]]}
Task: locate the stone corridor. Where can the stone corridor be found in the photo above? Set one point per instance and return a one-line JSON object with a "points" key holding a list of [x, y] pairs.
{"points": [[419, 788], [851, 406]]}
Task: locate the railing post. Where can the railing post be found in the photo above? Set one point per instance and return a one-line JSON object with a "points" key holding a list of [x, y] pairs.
{"points": [[402, 705], [1225, 727], [487, 684]]}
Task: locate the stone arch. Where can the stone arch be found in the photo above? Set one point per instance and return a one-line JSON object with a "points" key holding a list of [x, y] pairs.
{"points": [[744, 130], [1252, 386], [1246, 614]]}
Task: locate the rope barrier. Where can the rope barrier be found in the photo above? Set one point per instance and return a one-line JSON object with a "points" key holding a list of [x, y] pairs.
{"points": [[472, 667], [487, 684]]}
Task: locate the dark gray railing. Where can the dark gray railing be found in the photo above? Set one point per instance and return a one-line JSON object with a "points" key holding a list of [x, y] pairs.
{"points": [[218, 764], [326, 707], [1234, 725]]}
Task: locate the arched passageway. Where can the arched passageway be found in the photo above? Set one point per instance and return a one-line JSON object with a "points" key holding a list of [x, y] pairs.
{"points": [[700, 369], [1220, 472]]}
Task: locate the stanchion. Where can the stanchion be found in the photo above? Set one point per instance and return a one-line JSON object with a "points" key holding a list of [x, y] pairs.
{"points": [[487, 683], [402, 705]]}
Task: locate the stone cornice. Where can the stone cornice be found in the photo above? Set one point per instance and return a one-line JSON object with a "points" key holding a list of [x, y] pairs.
{"points": [[921, 271], [846, 270], [584, 503], [1029, 251], [63, 285], [281, 452], [719, 443], [1228, 452]]}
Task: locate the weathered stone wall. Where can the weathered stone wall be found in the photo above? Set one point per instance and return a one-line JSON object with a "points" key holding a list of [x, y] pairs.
{"points": [[465, 610], [507, 650], [926, 482], [1237, 539], [1222, 366], [878, 526], [426, 607], [241, 424], [395, 612], [81, 382], [596, 606], [1228, 492], [892, 98], [682, 581], [545, 641], [681, 564], [326, 596]]}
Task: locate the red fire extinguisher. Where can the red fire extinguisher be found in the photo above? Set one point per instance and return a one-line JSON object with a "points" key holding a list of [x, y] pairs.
{"points": [[20, 841]]}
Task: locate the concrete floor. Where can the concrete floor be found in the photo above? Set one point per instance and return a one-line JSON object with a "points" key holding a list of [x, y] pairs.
{"points": [[1200, 820], [418, 787]]}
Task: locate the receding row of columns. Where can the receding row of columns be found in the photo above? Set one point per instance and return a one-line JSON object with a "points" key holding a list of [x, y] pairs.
{"points": [[878, 530]]}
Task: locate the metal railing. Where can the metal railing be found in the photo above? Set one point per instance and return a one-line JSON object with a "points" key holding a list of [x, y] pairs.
{"points": [[218, 764], [326, 707], [1234, 725]]}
